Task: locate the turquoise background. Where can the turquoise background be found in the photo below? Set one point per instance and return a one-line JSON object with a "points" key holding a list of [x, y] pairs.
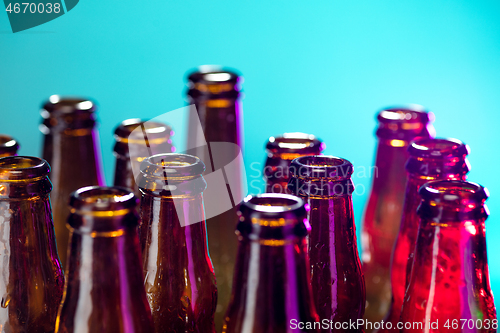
{"points": [[322, 67]]}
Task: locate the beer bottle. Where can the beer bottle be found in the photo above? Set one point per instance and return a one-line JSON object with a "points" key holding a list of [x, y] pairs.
{"points": [[397, 127], [8, 146], [31, 277], [281, 151], [179, 277], [449, 288], [271, 290], [338, 286], [104, 289], [71, 147]]}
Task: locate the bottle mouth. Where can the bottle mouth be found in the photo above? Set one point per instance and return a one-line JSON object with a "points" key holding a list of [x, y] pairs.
{"points": [[321, 166], [214, 80], [67, 105], [300, 143], [142, 131], [405, 123], [23, 168], [164, 166], [99, 198], [8, 145], [438, 148], [272, 204]]}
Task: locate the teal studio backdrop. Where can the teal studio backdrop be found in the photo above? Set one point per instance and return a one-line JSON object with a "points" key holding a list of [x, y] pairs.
{"points": [[322, 67]]}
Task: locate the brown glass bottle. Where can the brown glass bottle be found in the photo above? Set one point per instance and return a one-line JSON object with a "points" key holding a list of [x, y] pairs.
{"points": [[32, 280], [8, 146], [338, 286], [397, 127], [281, 151], [216, 94], [104, 289], [271, 290], [135, 141], [179, 277], [71, 147]]}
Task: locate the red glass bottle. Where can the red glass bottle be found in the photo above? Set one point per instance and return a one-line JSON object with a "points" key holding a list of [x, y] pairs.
{"points": [[271, 291], [8, 146], [397, 127], [71, 147], [31, 277], [179, 277], [281, 151], [135, 141], [338, 286], [430, 159], [449, 288], [104, 289]]}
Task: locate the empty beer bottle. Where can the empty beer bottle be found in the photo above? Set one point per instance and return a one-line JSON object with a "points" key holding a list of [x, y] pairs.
{"points": [[71, 147], [135, 141], [8, 146], [430, 159], [397, 127], [281, 151], [338, 286], [179, 277], [449, 288], [32, 280], [104, 289], [271, 290], [216, 94]]}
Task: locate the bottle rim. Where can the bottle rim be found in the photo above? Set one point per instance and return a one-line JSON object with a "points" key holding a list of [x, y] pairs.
{"points": [[8, 145], [456, 192], [412, 113], [438, 148], [321, 166], [67, 105], [23, 168], [168, 165], [102, 198], [295, 142], [152, 130], [272, 204], [214, 74]]}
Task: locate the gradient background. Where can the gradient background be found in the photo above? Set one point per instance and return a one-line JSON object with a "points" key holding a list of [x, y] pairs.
{"points": [[320, 67]]}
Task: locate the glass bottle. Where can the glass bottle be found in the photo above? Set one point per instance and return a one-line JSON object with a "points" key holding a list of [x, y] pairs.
{"points": [[31, 277], [104, 289], [338, 286], [71, 147], [8, 146], [430, 159], [271, 291], [179, 277], [449, 288], [281, 151], [397, 127], [216, 93], [133, 146]]}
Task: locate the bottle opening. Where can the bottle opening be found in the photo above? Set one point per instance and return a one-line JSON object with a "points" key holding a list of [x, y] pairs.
{"points": [[150, 131], [300, 143], [273, 203], [96, 198], [172, 165], [403, 124], [438, 148], [22, 168], [8, 145], [330, 167], [65, 105]]}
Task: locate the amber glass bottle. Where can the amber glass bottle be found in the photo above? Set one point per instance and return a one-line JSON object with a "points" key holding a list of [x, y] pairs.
{"points": [[71, 147], [271, 291], [338, 286], [430, 159], [179, 277], [397, 127], [449, 288], [216, 94], [281, 151], [32, 280], [135, 141], [8, 146], [104, 289]]}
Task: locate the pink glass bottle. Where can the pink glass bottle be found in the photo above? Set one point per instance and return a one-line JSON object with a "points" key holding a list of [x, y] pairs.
{"points": [[430, 159], [281, 150], [449, 288], [397, 127], [8, 146], [338, 286]]}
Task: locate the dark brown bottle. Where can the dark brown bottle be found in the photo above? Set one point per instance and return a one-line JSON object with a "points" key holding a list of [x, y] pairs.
{"points": [[104, 289], [271, 290], [136, 140], [216, 94], [338, 286], [31, 277], [179, 277], [8, 146], [71, 147], [281, 150]]}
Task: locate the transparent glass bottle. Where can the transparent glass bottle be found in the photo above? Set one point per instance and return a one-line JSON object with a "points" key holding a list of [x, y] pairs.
{"points": [[271, 290], [31, 276], [281, 150], [104, 289], [8, 146]]}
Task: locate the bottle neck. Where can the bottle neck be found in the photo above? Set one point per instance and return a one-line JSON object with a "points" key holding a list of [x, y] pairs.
{"points": [[388, 173]]}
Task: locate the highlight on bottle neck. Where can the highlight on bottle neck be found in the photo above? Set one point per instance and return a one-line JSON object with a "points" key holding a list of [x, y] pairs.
{"points": [[398, 126], [8, 146], [292, 145], [23, 176], [438, 159], [102, 211], [321, 176], [214, 82], [452, 201], [273, 219], [74, 116]]}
